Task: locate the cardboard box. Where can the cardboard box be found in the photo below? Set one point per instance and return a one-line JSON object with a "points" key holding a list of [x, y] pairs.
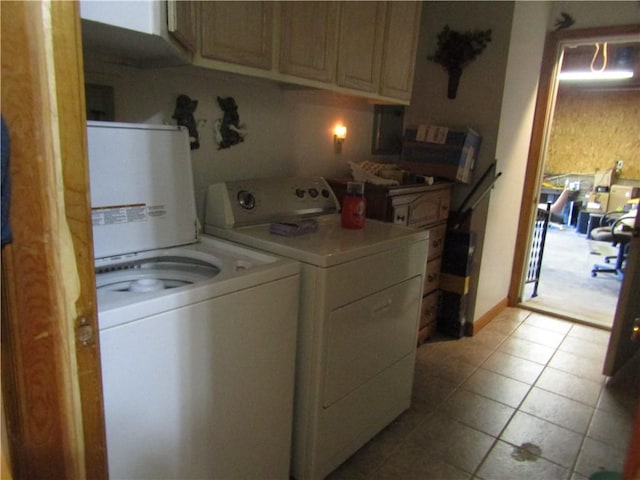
{"points": [[603, 178], [598, 202], [453, 160], [619, 197]]}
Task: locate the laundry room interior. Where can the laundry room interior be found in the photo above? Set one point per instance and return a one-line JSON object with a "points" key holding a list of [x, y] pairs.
{"points": [[468, 393]]}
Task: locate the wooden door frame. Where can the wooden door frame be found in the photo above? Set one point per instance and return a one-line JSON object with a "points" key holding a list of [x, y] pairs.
{"points": [[51, 382], [545, 103]]}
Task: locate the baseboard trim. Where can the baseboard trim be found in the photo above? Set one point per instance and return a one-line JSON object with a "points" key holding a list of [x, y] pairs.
{"points": [[470, 329]]}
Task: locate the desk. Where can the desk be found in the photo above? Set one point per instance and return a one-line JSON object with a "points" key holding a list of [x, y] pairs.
{"points": [[587, 221]]}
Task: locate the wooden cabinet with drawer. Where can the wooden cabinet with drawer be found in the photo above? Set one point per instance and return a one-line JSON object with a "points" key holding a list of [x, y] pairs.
{"points": [[419, 206]]}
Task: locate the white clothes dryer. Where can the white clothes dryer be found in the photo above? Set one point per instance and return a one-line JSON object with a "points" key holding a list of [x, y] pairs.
{"points": [[360, 300], [197, 335]]}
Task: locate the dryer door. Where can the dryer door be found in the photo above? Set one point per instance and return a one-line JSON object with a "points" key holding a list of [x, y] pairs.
{"points": [[368, 336]]}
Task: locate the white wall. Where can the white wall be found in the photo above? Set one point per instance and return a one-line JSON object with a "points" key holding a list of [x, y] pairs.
{"points": [[289, 128], [478, 102], [596, 13], [516, 120]]}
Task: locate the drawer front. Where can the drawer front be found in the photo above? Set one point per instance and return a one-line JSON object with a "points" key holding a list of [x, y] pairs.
{"points": [[401, 215], [366, 337], [429, 312], [436, 240], [430, 207], [432, 276]]}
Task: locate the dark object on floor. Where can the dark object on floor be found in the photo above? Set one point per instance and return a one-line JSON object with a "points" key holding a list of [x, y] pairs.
{"points": [[605, 475], [616, 227], [565, 21], [452, 314], [229, 129], [184, 117]]}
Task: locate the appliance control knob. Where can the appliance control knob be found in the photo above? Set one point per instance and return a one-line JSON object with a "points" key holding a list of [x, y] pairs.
{"points": [[246, 199], [313, 192], [299, 193], [325, 193]]}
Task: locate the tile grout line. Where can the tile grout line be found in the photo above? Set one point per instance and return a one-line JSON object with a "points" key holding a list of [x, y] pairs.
{"points": [[515, 410], [570, 470], [476, 367], [586, 434]]}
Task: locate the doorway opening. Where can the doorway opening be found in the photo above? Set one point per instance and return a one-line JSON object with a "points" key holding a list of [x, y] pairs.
{"points": [[590, 129]]}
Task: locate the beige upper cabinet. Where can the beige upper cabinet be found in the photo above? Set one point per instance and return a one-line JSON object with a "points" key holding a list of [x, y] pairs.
{"points": [[400, 46], [237, 32], [361, 37], [363, 48], [308, 39], [182, 19]]}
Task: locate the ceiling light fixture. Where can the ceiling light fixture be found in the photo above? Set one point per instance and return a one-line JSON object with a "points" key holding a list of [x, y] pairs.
{"points": [[588, 75], [596, 74]]}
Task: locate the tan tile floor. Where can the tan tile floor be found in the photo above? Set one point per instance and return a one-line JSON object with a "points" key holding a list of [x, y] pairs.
{"points": [[523, 399]]}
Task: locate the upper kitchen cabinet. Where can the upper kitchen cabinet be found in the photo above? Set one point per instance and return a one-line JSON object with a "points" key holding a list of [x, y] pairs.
{"points": [[131, 33], [308, 40], [237, 32], [363, 48], [361, 38], [400, 46], [182, 18]]}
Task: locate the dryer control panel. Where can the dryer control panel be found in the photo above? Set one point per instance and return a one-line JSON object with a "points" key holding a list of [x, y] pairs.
{"points": [[251, 202]]}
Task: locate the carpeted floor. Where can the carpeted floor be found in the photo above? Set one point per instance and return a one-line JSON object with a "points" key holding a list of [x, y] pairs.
{"points": [[566, 286]]}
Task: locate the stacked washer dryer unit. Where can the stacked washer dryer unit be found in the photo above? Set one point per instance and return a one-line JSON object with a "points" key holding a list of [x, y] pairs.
{"points": [[359, 310], [197, 335]]}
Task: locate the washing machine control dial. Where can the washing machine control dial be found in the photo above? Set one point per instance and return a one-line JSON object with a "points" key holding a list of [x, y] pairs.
{"points": [[246, 199]]}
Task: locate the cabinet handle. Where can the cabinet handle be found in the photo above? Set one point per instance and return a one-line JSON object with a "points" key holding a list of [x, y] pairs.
{"points": [[400, 218], [432, 277]]}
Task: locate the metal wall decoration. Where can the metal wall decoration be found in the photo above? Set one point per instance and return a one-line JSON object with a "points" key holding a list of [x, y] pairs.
{"points": [[229, 130], [456, 50], [185, 107]]}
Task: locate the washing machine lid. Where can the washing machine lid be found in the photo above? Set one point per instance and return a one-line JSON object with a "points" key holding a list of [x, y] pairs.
{"points": [[142, 194]]}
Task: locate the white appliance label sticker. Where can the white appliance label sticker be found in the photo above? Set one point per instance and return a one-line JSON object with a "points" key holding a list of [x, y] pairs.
{"points": [[118, 214]]}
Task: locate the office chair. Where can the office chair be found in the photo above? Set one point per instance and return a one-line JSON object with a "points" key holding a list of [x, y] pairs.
{"points": [[615, 227]]}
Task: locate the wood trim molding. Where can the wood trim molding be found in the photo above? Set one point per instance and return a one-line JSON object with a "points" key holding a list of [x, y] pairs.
{"points": [[51, 386], [472, 329]]}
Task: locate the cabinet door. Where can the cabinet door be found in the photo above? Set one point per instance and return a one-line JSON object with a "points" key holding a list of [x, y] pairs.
{"points": [[182, 23], [402, 29], [238, 32], [360, 45], [309, 40]]}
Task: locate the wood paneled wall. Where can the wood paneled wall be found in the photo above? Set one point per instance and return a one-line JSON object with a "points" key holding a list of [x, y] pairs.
{"points": [[592, 130]]}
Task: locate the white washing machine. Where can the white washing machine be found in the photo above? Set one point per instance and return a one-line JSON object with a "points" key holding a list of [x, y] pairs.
{"points": [[197, 335], [361, 292]]}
